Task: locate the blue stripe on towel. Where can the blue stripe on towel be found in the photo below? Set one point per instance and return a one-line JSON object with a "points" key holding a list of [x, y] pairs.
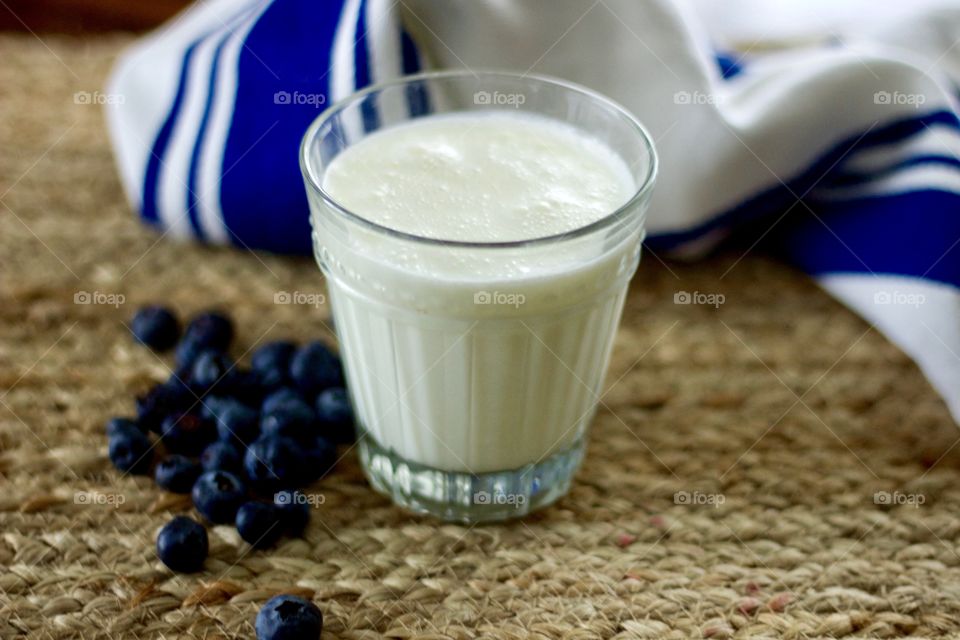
{"points": [[418, 101], [911, 234], [778, 198], [198, 144], [847, 179], [411, 60], [361, 69], [730, 64], [263, 199], [151, 176]]}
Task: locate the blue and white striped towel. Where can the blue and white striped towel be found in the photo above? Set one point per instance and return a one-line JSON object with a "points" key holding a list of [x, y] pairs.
{"points": [[832, 139]]}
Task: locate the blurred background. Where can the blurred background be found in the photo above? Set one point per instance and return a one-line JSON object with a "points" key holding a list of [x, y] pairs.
{"points": [[76, 16]]}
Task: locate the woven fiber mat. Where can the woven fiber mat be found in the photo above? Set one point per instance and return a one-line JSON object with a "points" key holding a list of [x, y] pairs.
{"points": [[733, 486]]}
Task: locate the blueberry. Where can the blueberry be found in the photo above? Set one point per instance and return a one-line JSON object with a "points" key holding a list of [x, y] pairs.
{"points": [[222, 455], [182, 544], [213, 406], [116, 426], [320, 455], [294, 511], [180, 385], [155, 327], [236, 422], [131, 452], [276, 463], [246, 386], [272, 362], [287, 617], [162, 400], [259, 524], [176, 473], [292, 418], [335, 414], [217, 495], [212, 370], [187, 433], [279, 397], [210, 330], [186, 354], [314, 368]]}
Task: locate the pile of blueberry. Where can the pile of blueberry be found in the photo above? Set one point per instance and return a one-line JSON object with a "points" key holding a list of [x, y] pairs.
{"points": [[240, 441]]}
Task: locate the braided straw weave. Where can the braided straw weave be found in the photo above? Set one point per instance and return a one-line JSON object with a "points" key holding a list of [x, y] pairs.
{"points": [[779, 414]]}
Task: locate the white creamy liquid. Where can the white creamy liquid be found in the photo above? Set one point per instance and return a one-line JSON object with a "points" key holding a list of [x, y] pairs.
{"points": [[477, 360], [487, 178]]}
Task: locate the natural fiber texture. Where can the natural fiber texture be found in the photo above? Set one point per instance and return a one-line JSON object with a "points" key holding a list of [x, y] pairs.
{"points": [[779, 403]]}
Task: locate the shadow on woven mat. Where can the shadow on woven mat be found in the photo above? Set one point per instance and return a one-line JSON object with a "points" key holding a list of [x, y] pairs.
{"points": [[731, 486]]}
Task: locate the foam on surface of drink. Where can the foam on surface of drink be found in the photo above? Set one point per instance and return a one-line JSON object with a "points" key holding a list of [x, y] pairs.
{"points": [[481, 177]]}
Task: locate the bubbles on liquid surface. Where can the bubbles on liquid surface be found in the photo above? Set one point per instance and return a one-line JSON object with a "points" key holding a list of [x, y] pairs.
{"points": [[487, 177]]}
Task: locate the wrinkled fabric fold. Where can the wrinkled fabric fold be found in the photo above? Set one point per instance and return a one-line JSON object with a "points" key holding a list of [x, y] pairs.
{"points": [[831, 143]]}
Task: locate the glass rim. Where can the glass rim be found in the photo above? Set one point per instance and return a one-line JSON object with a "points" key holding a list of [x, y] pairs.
{"points": [[315, 181]]}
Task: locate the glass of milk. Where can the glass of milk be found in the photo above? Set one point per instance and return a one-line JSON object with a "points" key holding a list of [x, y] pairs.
{"points": [[477, 232]]}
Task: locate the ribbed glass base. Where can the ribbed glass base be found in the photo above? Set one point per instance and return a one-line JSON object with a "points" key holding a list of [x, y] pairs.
{"points": [[467, 497]]}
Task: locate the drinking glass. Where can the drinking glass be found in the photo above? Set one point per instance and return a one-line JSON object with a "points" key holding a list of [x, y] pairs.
{"points": [[473, 391]]}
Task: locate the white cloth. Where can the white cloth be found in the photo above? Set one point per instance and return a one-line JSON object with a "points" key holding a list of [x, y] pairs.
{"points": [[829, 134]]}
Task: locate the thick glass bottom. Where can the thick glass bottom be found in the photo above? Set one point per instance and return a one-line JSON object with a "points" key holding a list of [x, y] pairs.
{"points": [[466, 497]]}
